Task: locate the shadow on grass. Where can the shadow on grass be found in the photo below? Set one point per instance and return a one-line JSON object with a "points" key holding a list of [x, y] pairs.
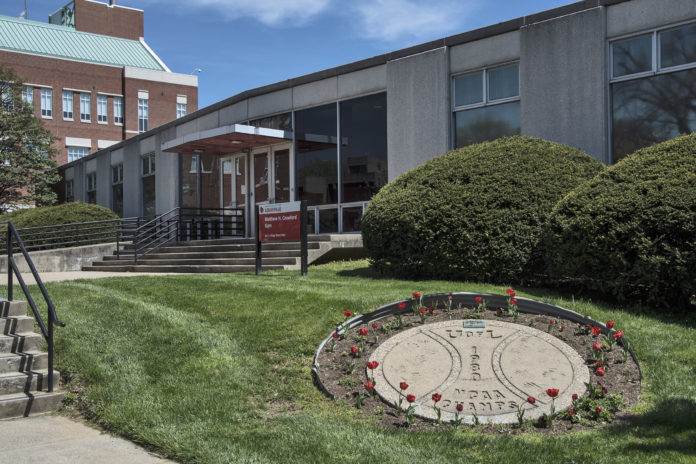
{"points": [[669, 427]]}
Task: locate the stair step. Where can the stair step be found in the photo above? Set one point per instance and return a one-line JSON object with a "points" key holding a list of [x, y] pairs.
{"points": [[206, 255], [13, 308], [148, 261], [26, 382], [22, 342], [24, 404], [11, 325], [19, 362]]}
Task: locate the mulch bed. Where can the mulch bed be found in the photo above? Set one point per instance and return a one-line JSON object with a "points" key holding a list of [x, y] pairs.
{"points": [[620, 377]]}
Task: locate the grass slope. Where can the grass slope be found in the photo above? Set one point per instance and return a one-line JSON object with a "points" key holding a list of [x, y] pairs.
{"points": [[216, 369]]}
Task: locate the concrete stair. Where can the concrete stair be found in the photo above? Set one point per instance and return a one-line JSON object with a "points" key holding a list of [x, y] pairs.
{"points": [[231, 255], [23, 366]]}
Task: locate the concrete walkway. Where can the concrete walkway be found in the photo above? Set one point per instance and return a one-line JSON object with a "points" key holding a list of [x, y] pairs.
{"points": [[59, 440], [74, 275]]}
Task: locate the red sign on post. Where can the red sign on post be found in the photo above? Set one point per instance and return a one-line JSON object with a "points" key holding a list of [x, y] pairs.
{"points": [[279, 222]]}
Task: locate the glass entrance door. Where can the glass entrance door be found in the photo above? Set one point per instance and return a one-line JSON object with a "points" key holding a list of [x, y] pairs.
{"points": [[233, 191]]}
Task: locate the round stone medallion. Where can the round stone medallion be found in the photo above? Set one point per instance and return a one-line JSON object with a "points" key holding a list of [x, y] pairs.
{"points": [[489, 367]]}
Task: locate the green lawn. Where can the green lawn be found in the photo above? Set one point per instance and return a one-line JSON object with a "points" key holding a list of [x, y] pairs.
{"points": [[216, 368]]}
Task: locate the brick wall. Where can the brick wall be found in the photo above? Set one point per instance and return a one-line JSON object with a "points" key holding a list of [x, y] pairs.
{"points": [[115, 21]]}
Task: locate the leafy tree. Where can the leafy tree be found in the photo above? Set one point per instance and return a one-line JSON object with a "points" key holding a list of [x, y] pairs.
{"points": [[27, 167]]}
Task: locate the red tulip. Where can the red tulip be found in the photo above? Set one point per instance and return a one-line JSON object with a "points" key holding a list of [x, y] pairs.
{"points": [[403, 385], [347, 313], [552, 392], [600, 372], [610, 324], [354, 349], [551, 322], [410, 398], [401, 305], [618, 334], [597, 346], [372, 365], [422, 310], [335, 335], [416, 295], [449, 297], [363, 332], [575, 396], [369, 385], [460, 407], [375, 326], [436, 397], [431, 308], [596, 331], [571, 412], [531, 400], [513, 301], [510, 292], [478, 299], [598, 410]]}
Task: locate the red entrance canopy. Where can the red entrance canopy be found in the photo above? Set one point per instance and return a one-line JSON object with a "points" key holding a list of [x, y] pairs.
{"points": [[226, 139]]}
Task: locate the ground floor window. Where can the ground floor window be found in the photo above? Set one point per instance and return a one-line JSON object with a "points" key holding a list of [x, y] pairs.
{"points": [[91, 181], [148, 184], [117, 189]]}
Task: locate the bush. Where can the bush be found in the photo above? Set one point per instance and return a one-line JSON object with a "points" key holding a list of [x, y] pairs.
{"points": [[65, 213], [631, 232], [475, 213]]}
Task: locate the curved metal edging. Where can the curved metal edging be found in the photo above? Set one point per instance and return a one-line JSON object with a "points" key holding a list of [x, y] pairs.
{"points": [[525, 305]]}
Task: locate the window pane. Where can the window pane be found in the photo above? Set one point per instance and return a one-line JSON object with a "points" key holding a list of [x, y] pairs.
{"points": [[280, 121], [632, 56], [117, 199], [363, 147], [328, 220], [210, 181], [282, 176], [351, 219], [651, 110], [468, 89], [504, 83], [260, 177], [189, 185], [149, 196], [678, 47], [488, 123], [316, 169]]}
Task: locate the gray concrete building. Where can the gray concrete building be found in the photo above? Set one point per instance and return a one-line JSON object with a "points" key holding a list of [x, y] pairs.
{"points": [[604, 76]]}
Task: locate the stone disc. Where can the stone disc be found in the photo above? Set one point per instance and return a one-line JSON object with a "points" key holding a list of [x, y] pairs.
{"points": [[490, 371]]}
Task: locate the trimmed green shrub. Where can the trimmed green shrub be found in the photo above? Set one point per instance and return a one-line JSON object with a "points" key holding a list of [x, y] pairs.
{"points": [[65, 213], [474, 213], [631, 232]]}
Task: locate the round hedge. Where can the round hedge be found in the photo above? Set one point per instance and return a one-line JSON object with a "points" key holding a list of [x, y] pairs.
{"points": [[631, 232], [474, 213], [65, 213]]}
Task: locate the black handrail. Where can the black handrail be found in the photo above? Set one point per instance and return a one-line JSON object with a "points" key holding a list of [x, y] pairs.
{"points": [[169, 227], [46, 330], [75, 234]]}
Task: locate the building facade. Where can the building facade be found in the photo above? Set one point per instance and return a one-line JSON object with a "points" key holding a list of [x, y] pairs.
{"points": [[604, 76], [91, 77]]}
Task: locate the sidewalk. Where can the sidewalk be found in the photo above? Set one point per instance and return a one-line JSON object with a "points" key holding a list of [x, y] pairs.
{"points": [[74, 275], [59, 440]]}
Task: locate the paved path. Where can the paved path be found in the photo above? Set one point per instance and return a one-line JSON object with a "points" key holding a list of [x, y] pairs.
{"points": [[73, 275], [59, 440]]}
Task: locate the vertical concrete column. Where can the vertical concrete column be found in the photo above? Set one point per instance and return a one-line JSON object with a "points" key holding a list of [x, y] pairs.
{"points": [[418, 110], [564, 81], [132, 185], [103, 181]]}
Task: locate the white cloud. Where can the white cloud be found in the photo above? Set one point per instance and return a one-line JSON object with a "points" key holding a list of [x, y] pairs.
{"points": [[280, 13], [391, 20]]}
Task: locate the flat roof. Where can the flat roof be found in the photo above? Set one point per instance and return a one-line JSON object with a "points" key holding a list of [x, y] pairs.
{"points": [[226, 139]]}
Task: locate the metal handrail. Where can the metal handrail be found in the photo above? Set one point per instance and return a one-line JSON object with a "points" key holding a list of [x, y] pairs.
{"points": [[166, 227], [12, 269], [75, 234]]}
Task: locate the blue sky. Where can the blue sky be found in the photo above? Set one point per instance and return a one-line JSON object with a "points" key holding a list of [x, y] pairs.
{"points": [[242, 44]]}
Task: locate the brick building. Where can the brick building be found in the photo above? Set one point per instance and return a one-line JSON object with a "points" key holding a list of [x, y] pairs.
{"points": [[91, 77]]}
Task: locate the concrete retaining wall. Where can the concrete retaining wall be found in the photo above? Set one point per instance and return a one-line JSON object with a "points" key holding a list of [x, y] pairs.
{"points": [[60, 260]]}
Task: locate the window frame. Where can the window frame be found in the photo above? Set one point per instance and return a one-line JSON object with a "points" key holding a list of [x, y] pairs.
{"points": [[656, 68], [180, 110], [85, 104], [118, 111], [69, 191], [102, 104], [69, 94], [28, 94], [46, 103], [151, 165], [143, 115], [80, 149], [485, 87]]}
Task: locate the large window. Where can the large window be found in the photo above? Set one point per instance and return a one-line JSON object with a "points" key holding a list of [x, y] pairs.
{"points": [[46, 103], [486, 105], [148, 182], [85, 111], [652, 88], [142, 115], [118, 110], [75, 153], [117, 189], [180, 110], [91, 181], [28, 95], [69, 193], [67, 105], [102, 112], [363, 147]]}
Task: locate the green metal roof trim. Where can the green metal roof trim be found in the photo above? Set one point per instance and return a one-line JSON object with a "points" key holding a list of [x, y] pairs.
{"points": [[26, 36]]}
